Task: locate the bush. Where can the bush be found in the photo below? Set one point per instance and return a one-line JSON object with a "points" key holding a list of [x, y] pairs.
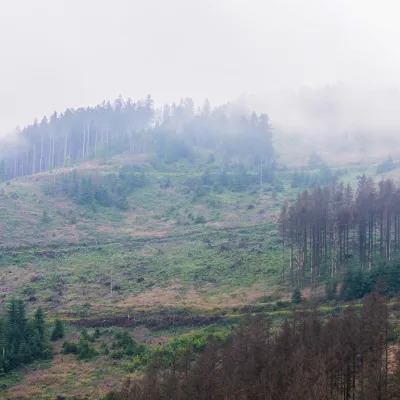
{"points": [[86, 351], [282, 304], [96, 333], [72, 219], [200, 220], [116, 354], [135, 364], [357, 284], [104, 348], [124, 345], [69, 348]]}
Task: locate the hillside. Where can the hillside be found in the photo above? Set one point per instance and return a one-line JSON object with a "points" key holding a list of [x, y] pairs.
{"points": [[180, 258], [166, 243]]}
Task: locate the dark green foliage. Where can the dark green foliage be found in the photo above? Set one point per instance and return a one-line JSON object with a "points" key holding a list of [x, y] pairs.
{"points": [[124, 345], [22, 340], [296, 296], [96, 333], [112, 190], [69, 348], [312, 179], [104, 348], [357, 284], [58, 330], [200, 220], [86, 351], [238, 179], [83, 349], [103, 196]]}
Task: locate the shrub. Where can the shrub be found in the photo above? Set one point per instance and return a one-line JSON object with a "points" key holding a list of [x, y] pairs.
{"points": [[104, 348], [200, 219], [72, 219], [69, 348], [86, 351]]}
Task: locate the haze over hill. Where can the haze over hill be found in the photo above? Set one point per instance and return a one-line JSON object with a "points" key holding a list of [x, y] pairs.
{"points": [[59, 54]]}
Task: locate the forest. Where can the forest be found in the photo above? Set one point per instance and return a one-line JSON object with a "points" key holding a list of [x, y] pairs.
{"points": [[22, 340], [328, 230], [173, 132], [345, 357]]}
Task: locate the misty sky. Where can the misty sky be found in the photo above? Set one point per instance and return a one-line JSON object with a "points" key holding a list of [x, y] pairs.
{"points": [[67, 53]]}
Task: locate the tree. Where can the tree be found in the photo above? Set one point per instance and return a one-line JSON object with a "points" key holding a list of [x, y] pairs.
{"points": [[344, 357], [58, 330], [22, 340], [45, 219], [296, 296]]}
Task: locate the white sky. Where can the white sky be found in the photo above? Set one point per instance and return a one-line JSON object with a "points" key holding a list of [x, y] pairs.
{"points": [[56, 54]]}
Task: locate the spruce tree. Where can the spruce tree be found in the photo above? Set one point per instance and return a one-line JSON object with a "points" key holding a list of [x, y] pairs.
{"points": [[58, 330]]}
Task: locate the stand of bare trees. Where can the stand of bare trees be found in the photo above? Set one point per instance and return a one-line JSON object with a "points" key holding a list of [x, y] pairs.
{"points": [[136, 127], [345, 358], [327, 228]]}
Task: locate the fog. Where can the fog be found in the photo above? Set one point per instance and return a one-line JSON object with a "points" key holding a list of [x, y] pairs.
{"points": [[313, 65]]}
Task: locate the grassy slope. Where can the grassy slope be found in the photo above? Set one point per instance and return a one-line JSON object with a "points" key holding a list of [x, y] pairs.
{"points": [[161, 261]]}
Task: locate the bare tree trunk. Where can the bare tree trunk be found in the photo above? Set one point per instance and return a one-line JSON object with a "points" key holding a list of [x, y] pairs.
{"points": [[41, 156], [88, 139], [291, 262], [95, 144], [283, 260], [52, 156], [65, 147], [49, 158], [83, 144], [69, 146], [34, 159]]}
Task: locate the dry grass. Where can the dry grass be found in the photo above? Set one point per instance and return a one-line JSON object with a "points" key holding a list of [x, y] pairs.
{"points": [[167, 297]]}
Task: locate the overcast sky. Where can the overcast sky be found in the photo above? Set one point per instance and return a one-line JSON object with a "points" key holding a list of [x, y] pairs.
{"points": [[56, 54]]}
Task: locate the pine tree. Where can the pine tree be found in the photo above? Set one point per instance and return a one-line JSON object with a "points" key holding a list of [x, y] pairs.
{"points": [[58, 330]]}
